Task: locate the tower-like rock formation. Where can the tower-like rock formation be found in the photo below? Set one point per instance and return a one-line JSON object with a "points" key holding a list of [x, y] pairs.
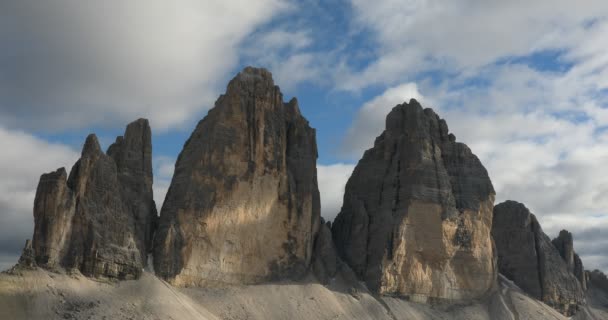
{"points": [[417, 212], [527, 256], [243, 205], [565, 245], [101, 218]]}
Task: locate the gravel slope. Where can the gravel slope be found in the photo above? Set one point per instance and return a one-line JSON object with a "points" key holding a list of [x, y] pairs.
{"points": [[40, 294]]}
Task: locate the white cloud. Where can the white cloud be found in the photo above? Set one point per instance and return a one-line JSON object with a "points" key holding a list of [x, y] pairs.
{"points": [[420, 35], [24, 158], [370, 119], [77, 63], [163, 173], [281, 39], [332, 180], [288, 55]]}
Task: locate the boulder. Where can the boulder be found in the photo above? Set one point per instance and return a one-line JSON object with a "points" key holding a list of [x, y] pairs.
{"points": [[527, 256], [243, 206], [100, 219], [417, 213]]}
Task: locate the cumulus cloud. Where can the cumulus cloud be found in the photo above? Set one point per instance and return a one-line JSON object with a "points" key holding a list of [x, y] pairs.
{"points": [[77, 63], [419, 35], [332, 180], [370, 119], [287, 54], [24, 158]]}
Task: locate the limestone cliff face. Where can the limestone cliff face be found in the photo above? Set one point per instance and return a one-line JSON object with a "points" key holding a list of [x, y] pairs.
{"points": [[565, 245], [100, 219], [417, 212], [243, 205], [527, 256]]}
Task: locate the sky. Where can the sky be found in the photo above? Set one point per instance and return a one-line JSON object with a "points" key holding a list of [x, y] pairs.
{"points": [[524, 84]]}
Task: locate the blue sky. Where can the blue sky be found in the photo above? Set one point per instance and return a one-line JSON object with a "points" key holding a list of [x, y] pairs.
{"points": [[524, 85]]}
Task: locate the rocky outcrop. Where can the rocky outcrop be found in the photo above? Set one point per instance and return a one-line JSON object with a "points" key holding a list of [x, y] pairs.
{"points": [[565, 245], [325, 261], [100, 219], [417, 212], [28, 256], [598, 279], [243, 205], [527, 257]]}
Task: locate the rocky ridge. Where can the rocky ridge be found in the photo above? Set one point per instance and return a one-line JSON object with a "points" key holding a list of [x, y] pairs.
{"points": [[565, 245], [527, 256], [101, 217], [417, 222], [417, 213]]}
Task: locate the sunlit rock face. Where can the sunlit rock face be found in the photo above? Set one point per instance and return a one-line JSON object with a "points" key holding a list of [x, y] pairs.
{"points": [[527, 257], [417, 213], [243, 205], [99, 219]]}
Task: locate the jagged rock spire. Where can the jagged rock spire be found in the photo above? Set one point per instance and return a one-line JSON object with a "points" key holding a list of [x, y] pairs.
{"points": [[565, 245], [527, 256], [243, 205], [417, 212], [100, 219]]}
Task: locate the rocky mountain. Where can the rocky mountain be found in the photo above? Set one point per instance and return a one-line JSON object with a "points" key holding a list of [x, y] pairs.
{"points": [[565, 245], [101, 217], [527, 256], [418, 236], [417, 213], [243, 205]]}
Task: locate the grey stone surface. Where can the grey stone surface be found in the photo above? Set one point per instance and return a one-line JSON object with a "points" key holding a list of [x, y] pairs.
{"points": [[527, 256], [100, 219], [28, 256], [598, 279], [565, 245], [243, 205], [417, 212], [325, 261]]}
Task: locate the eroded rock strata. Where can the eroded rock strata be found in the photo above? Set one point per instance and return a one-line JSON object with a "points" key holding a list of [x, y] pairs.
{"points": [[243, 205], [100, 218], [417, 212], [527, 256]]}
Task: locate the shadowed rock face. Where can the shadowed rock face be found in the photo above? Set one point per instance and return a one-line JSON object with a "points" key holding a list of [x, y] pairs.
{"points": [[325, 260], [101, 218], [565, 245], [527, 256], [597, 279], [243, 205], [417, 212]]}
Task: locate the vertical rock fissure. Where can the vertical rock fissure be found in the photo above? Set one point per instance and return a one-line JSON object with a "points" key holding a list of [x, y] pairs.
{"points": [[397, 185], [538, 258]]}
